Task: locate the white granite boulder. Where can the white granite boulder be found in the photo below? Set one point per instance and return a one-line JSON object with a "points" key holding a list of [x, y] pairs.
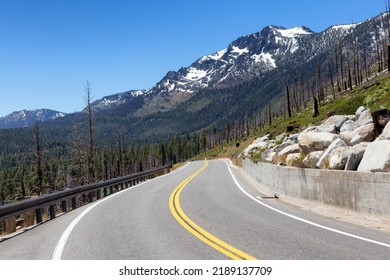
{"points": [[385, 135], [323, 162], [258, 145], [294, 160], [364, 118], [365, 133], [290, 149], [338, 158], [376, 157], [349, 125], [315, 141], [335, 121]]}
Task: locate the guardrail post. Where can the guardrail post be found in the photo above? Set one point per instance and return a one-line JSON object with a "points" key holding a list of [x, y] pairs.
{"points": [[38, 215], [29, 218], [111, 189], [64, 206], [52, 210], [90, 196], [105, 192], [74, 202], [98, 194], [10, 225]]}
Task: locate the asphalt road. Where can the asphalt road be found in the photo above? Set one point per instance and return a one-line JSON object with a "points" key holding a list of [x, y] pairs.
{"points": [[205, 210]]}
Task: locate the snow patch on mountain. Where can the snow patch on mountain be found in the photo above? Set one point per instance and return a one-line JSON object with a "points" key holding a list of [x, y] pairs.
{"points": [[195, 74], [265, 58], [237, 51], [293, 32], [214, 56]]}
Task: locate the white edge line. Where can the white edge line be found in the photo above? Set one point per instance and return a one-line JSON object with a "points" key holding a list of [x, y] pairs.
{"points": [[304, 220], [57, 253]]}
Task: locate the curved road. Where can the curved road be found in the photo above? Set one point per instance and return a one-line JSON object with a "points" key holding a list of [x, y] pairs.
{"points": [[205, 210]]}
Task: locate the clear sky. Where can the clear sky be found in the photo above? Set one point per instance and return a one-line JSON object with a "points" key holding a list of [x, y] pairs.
{"points": [[50, 48]]}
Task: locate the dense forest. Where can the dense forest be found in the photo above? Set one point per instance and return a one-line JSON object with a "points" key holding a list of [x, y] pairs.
{"points": [[92, 146]]}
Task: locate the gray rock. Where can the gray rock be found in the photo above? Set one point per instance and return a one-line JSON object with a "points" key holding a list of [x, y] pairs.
{"points": [[294, 160], [321, 128], [290, 149], [355, 156], [257, 146], [261, 140], [376, 157], [336, 121], [323, 162], [338, 158], [268, 155], [311, 159], [349, 125], [364, 118], [292, 137], [360, 110], [364, 133], [280, 137], [313, 141]]}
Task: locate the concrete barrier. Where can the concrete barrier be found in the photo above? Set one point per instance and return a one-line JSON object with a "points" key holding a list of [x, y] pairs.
{"points": [[364, 192]]}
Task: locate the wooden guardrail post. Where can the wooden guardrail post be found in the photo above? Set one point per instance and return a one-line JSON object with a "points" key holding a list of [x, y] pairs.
{"points": [[10, 225], [29, 218]]}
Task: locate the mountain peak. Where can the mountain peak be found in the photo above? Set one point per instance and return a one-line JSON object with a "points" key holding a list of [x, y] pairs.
{"points": [[27, 117]]}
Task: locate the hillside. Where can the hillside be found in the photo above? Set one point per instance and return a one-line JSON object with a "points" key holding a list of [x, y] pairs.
{"points": [[372, 95]]}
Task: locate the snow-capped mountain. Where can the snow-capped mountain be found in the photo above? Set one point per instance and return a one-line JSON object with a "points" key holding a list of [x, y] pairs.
{"points": [[114, 100], [243, 59], [274, 49], [27, 118]]}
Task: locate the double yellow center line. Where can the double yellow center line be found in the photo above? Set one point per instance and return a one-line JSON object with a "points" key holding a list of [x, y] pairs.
{"points": [[192, 227]]}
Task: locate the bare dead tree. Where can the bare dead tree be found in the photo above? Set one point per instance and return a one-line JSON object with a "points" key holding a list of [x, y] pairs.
{"points": [[91, 155], [331, 81], [288, 102], [77, 168], [315, 107]]}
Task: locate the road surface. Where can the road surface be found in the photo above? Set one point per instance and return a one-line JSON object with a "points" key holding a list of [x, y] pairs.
{"points": [[205, 210]]}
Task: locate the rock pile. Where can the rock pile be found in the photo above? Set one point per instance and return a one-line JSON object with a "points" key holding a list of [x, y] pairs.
{"points": [[353, 142]]}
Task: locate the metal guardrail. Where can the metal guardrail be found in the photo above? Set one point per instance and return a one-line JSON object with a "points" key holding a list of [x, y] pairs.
{"points": [[33, 206]]}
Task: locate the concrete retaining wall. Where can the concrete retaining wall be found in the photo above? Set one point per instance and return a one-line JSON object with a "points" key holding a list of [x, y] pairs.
{"points": [[364, 192]]}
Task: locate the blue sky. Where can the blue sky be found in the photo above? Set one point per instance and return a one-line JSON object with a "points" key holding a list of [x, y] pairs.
{"points": [[50, 48]]}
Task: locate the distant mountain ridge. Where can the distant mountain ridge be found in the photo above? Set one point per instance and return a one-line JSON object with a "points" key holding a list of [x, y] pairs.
{"points": [[25, 118], [241, 79]]}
